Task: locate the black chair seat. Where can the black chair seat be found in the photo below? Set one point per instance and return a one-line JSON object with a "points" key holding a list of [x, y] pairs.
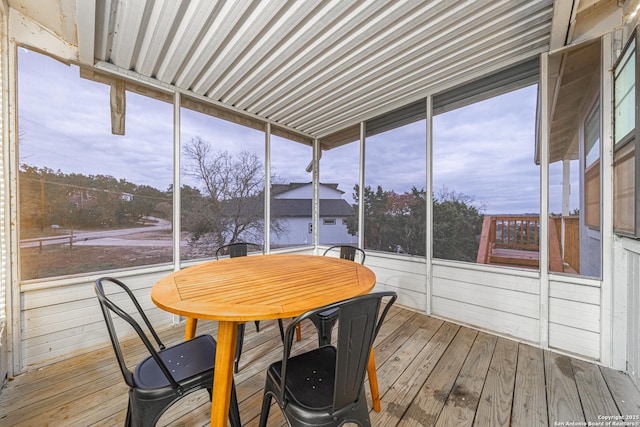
{"points": [[311, 377], [184, 360]]}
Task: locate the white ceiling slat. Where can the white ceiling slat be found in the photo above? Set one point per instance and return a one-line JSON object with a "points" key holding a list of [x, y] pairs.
{"points": [[292, 42], [347, 46], [317, 66], [126, 31], [217, 33], [161, 21], [292, 17], [445, 50], [189, 30], [324, 41], [368, 66], [103, 35], [353, 46], [408, 78], [86, 31], [243, 38]]}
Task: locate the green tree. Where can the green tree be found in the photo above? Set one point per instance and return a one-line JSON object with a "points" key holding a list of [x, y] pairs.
{"points": [[81, 201], [457, 226], [397, 223]]}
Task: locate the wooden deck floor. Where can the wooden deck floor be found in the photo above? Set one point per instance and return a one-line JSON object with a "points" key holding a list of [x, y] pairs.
{"points": [[430, 372]]}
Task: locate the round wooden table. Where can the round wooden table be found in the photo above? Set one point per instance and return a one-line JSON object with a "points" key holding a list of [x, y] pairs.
{"points": [[236, 290]]}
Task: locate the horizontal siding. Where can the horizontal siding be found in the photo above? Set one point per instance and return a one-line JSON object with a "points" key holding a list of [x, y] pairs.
{"points": [[574, 292], [574, 318], [495, 277], [61, 321], [498, 301], [575, 314], [501, 300], [404, 275], [573, 340], [508, 324]]}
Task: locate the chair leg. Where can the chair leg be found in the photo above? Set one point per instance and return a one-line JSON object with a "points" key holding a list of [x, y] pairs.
{"points": [[257, 322], [239, 342], [234, 413], [325, 329], [264, 413], [128, 420], [373, 382], [281, 330], [298, 332]]}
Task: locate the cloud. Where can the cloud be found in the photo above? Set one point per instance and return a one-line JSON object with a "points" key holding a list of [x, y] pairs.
{"points": [[486, 151]]}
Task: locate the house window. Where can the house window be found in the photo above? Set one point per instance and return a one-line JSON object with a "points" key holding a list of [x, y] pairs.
{"points": [[89, 200], [625, 176], [326, 221]]}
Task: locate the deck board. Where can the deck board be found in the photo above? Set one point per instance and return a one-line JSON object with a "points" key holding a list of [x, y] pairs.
{"points": [[562, 392], [494, 408], [460, 407], [430, 372], [595, 397], [428, 404]]}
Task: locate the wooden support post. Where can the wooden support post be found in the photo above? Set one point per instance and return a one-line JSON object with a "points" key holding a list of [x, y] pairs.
{"points": [[118, 107]]}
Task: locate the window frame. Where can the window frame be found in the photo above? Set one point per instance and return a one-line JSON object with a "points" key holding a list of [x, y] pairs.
{"points": [[626, 142]]}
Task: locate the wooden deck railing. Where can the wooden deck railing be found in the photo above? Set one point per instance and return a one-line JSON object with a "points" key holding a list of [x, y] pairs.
{"points": [[517, 232], [517, 237], [508, 232]]}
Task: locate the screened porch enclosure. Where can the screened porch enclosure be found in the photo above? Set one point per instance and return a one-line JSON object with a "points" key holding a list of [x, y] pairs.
{"points": [[403, 128]]}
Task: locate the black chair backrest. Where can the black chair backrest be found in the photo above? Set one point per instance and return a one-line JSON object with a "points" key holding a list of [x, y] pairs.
{"points": [[237, 249], [108, 307], [358, 324], [348, 252]]}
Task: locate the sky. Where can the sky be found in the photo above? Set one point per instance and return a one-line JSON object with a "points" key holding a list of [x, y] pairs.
{"points": [[484, 151]]}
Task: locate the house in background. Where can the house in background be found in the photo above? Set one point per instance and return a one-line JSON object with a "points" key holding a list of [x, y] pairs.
{"points": [[292, 204]]}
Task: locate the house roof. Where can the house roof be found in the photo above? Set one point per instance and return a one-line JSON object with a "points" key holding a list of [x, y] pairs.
{"points": [[283, 188], [315, 69], [303, 208]]}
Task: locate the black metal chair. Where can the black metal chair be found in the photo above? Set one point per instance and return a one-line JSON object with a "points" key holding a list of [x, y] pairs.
{"points": [[169, 373], [235, 250], [325, 386], [325, 321], [352, 253]]}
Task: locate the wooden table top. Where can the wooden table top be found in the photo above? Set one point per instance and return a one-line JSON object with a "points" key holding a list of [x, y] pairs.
{"points": [[261, 286]]}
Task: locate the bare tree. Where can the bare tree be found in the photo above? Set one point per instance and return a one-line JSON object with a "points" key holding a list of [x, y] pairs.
{"points": [[232, 186]]}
